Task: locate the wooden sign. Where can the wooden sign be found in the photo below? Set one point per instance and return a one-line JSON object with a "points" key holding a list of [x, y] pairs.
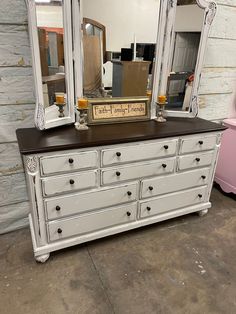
{"points": [[117, 110]]}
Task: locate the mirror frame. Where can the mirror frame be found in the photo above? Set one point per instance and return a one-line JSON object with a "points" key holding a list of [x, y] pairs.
{"points": [[40, 118], [167, 18]]}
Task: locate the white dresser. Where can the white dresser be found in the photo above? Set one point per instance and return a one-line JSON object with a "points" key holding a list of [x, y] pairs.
{"points": [[82, 193]]}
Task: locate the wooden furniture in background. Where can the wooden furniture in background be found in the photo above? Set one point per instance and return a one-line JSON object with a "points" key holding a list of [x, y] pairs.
{"points": [[130, 78], [92, 63], [43, 49]]}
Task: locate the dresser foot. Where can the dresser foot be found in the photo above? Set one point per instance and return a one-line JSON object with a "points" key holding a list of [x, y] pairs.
{"points": [[42, 258], [202, 212]]}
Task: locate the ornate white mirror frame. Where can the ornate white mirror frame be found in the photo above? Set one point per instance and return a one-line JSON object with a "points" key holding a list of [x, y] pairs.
{"points": [[165, 44], [41, 121]]}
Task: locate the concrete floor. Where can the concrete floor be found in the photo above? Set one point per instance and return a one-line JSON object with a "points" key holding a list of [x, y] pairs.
{"points": [[185, 265]]}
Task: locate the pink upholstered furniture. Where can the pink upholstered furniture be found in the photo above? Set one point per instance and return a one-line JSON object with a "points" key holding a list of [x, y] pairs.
{"points": [[226, 168]]}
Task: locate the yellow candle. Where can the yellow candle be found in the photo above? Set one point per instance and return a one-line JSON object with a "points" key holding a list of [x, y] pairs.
{"points": [[82, 103], [60, 98], [161, 99]]}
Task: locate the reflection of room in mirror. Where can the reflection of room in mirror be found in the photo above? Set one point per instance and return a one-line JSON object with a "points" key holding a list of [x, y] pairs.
{"points": [[119, 47], [186, 39], [50, 33]]}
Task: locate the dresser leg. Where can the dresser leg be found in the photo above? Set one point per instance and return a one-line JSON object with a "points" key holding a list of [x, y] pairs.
{"points": [[42, 258], [202, 212]]}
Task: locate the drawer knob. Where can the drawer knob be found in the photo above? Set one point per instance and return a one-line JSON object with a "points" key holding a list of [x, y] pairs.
{"points": [[148, 208], [129, 193], [71, 160], [164, 165], [150, 188], [203, 177], [72, 181], [128, 214], [58, 208], [166, 146], [200, 195], [200, 142], [118, 154], [197, 159], [59, 230], [118, 173]]}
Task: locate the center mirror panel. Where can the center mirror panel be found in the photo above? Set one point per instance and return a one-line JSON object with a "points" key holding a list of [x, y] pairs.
{"points": [[186, 37], [119, 41]]}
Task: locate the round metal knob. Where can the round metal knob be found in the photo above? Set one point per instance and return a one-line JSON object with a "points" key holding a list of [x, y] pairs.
{"points": [[203, 177], [72, 181], [166, 146], [197, 159], [128, 214], [129, 193], [164, 165], [200, 142], [71, 160], [59, 230], [58, 208], [148, 208], [150, 188], [118, 154], [118, 173], [200, 195]]}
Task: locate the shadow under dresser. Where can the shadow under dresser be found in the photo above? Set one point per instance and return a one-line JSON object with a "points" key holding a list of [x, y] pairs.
{"points": [[113, 178]]}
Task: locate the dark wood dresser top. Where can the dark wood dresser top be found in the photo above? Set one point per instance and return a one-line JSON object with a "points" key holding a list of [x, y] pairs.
{"points": [[31, 140]]}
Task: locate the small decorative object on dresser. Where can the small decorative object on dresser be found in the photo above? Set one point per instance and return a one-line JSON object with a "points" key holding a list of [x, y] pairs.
{"points": [[160, 108], [113, 178]]}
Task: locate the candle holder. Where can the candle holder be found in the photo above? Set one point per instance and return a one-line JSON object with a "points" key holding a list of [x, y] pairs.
{"points": [[160, 108], [82, 120], [60, 109], [60, 103]]}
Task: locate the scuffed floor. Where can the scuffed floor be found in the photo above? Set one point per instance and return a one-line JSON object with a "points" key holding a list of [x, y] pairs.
{"points": [[185, 265]]}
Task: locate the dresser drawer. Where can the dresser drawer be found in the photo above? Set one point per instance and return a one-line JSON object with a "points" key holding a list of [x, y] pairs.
{"points": [[197, 143], [172, 201], [138, 152], [195, 160], [69, 162], [138, 171], [82, 202], [174, 182], [91, 222], [69, 183]]}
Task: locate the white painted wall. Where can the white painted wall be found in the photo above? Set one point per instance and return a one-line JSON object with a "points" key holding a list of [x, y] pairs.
{"points": [[123, 19], [189, 18], [218, 86], [49, 16]]}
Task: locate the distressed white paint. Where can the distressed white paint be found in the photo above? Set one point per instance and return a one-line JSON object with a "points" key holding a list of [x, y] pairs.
{"points": [[217, 81], [19, 80], [14, 48], [13, 12], [13, 216], [10, 159], [12, 189], [14, 117], [224, 24]]}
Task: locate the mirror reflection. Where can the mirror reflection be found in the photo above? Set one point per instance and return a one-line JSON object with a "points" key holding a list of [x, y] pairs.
{"points": [[119, 39], [49, 17], [186, 39]]}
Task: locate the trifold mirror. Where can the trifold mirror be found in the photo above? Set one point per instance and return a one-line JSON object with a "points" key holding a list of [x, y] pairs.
{"points": [[50, 28], [121, 50]]}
